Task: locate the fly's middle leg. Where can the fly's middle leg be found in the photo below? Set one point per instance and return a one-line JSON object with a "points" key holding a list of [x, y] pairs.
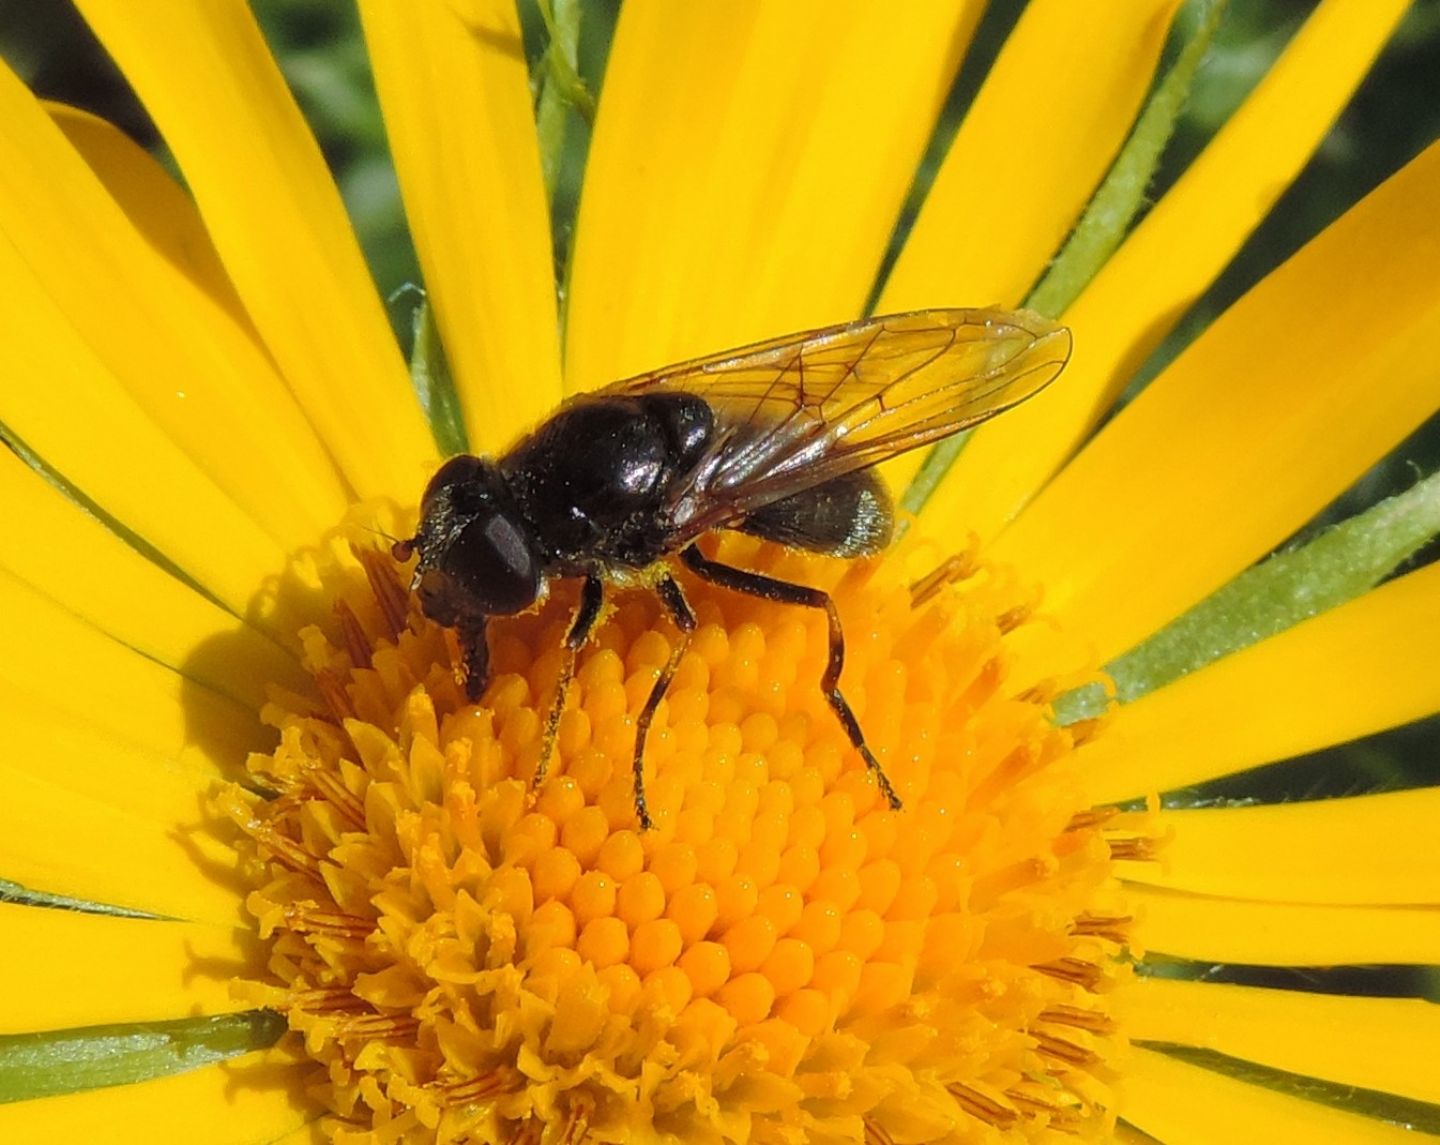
{"points": [[784, 592], [684, 617], [592, 597]]}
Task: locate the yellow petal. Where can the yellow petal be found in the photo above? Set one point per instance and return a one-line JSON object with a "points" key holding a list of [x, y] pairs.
{"points": [[86, 570], [1384, 1044], [309, 1134], [84, 758], [64, 842], [53, 662], [1172, 256], [108, 821], [1279, 406], [1370, 664], [84, 425], [1043, 130], [1183, 1104], [267, 199], [1280, 934], [748, 164], [125, 696], [93, 969], [167, 347], [1372, 849], [455, 90], [249, 1100], [156, 205]]}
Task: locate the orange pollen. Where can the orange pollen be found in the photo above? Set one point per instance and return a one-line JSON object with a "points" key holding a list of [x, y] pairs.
{"points": [[469, 958]]}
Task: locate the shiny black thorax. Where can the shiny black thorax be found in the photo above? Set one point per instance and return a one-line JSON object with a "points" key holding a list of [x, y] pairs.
{"points": [[594, 483]]}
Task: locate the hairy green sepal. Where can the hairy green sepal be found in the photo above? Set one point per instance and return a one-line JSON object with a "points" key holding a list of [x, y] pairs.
{"points": [[1417, 1116], [435, 385], [1338, 565], [93, 1057]]}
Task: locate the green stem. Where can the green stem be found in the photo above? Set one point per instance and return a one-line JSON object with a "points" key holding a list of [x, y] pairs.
{"points": [[1107, 219], [435, 386], [561, 87]]}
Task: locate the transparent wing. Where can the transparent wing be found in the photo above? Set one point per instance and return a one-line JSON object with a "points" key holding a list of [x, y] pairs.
{"points": [[797, 411]]}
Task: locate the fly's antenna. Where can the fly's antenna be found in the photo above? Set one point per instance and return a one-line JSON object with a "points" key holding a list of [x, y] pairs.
{"points": [[400, 548]]}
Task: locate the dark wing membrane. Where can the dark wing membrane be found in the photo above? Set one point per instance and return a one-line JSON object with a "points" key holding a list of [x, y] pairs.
{"points": [[795, 412]]}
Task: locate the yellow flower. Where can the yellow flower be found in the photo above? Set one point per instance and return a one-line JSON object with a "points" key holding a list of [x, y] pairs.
{"points": [[210, 422]]}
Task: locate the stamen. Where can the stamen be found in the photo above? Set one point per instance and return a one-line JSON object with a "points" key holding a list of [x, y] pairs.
{"points": [[1115, 928], [1076, 971], [985, 1104], [332, 691], [1137, 848], [492, 1084], [357, 644], [952, 570]]}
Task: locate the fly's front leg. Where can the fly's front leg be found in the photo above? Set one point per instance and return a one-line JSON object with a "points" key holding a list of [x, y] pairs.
{"points": [[592, 597], [684, 618], [475, 650], [784, 592]]}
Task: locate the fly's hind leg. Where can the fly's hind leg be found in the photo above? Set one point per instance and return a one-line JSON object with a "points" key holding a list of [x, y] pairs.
{"points": [[782, 591], [592, 596], [684, 618]]}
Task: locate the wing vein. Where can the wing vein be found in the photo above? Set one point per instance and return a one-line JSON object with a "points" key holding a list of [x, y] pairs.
{"points": [[795, 412]]}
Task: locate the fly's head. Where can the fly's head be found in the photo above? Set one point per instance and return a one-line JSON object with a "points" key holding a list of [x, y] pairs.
{"points": [[476, 555]]}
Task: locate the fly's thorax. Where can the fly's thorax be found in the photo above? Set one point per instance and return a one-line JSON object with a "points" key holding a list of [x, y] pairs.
{"points": [[596, 481]]}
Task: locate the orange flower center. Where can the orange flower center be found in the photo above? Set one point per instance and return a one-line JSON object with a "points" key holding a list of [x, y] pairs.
{"points": [[781, 958]]}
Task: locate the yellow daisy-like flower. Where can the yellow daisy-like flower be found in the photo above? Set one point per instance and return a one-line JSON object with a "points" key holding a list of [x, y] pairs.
{"points": [[312, 891]]}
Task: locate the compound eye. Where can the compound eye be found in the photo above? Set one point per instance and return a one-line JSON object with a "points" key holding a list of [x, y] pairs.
{"points": [[494, 563]]}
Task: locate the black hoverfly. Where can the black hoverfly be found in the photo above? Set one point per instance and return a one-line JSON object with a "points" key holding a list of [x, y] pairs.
{"points": [[777, 440]]}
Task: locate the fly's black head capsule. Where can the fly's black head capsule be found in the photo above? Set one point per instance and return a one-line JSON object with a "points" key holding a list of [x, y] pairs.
{"points": [[476, 555]]}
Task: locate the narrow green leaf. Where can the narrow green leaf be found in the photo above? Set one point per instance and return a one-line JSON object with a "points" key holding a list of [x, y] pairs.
{"points": [[561, 88], [1122, 193], [1103, 225], [1270, 597], [69, 1061], [1418, 1116], [562, 22], [434, 384], [24, 896]]}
